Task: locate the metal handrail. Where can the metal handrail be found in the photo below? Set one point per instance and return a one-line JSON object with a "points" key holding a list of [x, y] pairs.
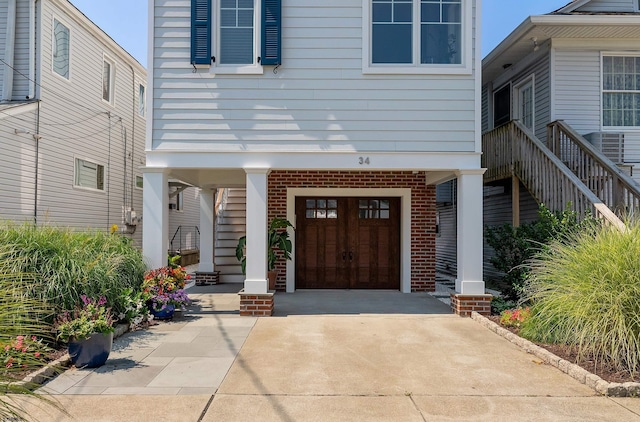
{"points": [[193, 244]]}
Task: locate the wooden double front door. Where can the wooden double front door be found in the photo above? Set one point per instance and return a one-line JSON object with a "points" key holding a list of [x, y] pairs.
{"points": [[347, 243]]}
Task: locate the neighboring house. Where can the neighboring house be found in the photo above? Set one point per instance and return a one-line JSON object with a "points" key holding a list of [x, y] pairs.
{"points": [[340, 116], [73, 117], [579, 64], [72, 120]]}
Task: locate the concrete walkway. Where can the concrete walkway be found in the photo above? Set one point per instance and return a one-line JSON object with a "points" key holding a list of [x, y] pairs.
{"points": [[326, 356]]}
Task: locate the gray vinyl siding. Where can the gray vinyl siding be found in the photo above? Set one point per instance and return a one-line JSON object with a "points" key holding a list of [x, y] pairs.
{"points": [[579, 97], [319, 96], [485, 108], [3, 39], [21, 53], [75, 122], [17, 167], [446, 241], [609, 6], [498, 211], [188, 218]]}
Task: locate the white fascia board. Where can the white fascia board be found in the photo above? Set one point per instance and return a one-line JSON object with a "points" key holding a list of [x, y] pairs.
{"points": [[357, 161], [600, 20], [511, 39]]}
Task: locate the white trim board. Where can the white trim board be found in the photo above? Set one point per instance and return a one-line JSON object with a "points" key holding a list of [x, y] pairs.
{"points": [[405, 224]]}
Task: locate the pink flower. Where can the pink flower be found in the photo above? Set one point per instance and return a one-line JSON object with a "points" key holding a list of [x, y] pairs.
{"points": [[37, 354], [20, 338], [24, 350], [7, 348], [34, 338]]}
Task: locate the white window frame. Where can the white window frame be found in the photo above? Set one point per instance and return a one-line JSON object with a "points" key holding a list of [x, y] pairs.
{"points": [[76, 162], [243, 69], [604, 128], [112, 80], [53, 46], [142, 100], [519, 88], [464, 68], [139, 177]]}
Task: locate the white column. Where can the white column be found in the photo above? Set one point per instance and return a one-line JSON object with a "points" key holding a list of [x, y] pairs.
{"points": [[470, 232], [155, 217], [256, 274], [207, 221]]}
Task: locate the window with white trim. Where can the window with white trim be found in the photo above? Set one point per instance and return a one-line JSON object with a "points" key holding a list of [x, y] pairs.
{"points": [[108, 80], [60, 49], [525, 102], [620, 91], [89, 175], [142, 101], [139, 182], [416, 33], [237, 32]]}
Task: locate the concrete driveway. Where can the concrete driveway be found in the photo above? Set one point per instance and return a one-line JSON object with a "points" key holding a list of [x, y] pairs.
{"points": [[361, 356]]}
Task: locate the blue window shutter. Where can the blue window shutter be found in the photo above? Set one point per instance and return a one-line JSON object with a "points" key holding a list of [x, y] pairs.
{"points": [[271, 32], [201, 32]]}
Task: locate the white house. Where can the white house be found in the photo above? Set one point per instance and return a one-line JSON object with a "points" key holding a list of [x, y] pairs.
{"points": [[340, 116]]}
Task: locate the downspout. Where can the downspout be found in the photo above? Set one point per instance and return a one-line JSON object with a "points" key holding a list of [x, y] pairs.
{"points": [[10, 43], [109, 171], [133, 128], [32, 49], [36, 138]]}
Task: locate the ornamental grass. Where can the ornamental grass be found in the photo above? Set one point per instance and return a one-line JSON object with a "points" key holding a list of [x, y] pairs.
{"points": [[64, 264], [584, 292]]}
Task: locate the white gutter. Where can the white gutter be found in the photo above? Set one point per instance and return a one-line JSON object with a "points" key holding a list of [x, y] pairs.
{"points": [[10, 42]]}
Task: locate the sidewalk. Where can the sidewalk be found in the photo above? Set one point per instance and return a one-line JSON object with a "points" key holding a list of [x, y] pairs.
{"points": [[366, 356]]}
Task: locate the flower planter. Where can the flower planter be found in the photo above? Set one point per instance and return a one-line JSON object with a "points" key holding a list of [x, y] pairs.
{"points": [[92, 351], [166, 313]]}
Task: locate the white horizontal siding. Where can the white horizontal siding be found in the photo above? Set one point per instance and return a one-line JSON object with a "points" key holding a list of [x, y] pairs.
{"points": [[319, 94], [577, 89], [609, 6], [17, 167]]}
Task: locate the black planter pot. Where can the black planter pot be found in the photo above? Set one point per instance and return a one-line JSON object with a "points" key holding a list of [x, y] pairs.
{"points": [[92, 351]]}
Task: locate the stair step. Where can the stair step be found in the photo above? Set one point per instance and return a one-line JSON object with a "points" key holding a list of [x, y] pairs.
{"points": [[222, 244], [233, 221], [227, 261], [235, 206], [232, 278], [231, 251], [235, 213], [231, 228], [230, 235]]}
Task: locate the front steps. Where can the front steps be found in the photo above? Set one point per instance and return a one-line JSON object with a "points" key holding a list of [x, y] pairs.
{"points": [[231, 227]]}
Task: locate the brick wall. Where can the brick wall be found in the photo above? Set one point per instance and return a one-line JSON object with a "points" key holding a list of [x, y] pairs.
{"points": [[423, 214], [464, 305]]}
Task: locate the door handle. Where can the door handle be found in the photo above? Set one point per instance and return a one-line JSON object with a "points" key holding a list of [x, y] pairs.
{"points": [[344, 256], [350, 256]]}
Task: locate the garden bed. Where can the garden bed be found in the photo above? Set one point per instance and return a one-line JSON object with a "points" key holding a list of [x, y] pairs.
{"points": [[603, 380]]}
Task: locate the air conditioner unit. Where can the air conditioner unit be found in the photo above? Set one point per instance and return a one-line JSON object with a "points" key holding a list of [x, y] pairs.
{"points": [[611, 144], [130, 218]]}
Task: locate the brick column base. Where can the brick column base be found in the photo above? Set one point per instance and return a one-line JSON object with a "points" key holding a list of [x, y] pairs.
{"points": [[463, 305], [256, 304], [204, 278]]}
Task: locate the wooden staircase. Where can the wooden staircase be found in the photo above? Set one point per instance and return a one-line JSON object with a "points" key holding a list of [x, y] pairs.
{"points": [[230, 226], [570, 170]]}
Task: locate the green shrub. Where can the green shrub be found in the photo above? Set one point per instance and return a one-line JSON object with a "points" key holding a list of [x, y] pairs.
{"points": [[515, 246], [585, 293], [22, 328], [66, 264]]}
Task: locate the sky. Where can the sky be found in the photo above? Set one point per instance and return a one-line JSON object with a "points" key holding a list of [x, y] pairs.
{"points": [[126, 20]]}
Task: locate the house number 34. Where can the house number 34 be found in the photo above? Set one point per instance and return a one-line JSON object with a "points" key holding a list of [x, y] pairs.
{"points": [[364, 160]]}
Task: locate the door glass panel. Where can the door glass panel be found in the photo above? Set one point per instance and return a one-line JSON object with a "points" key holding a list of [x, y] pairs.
{"points": [[321, 208], [373, 208]]}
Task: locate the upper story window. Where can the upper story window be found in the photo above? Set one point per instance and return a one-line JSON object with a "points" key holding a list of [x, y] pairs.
{"points": [[60, 49], [142, 101], [235, 36], [89, 175], [108, 80], [417, 36], [620, 91]]}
